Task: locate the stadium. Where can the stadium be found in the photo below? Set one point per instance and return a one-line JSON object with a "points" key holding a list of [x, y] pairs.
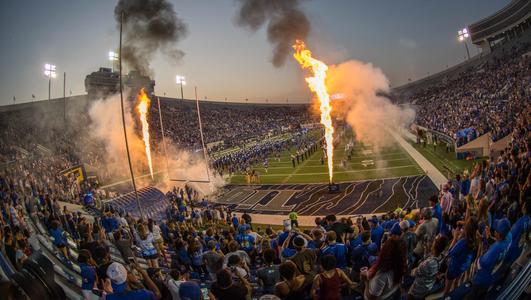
{"points": [[361, 190]]}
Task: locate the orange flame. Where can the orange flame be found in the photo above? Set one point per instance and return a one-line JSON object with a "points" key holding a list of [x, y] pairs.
{"points": [[318, 86], [143, 108]]}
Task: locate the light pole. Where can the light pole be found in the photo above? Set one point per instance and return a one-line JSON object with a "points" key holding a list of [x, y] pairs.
{"points": [[113, 56], [49, 71], [463, 35], [182, 81]]}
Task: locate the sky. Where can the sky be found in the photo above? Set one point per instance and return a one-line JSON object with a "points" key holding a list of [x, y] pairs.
{"points": [[406, 39]]}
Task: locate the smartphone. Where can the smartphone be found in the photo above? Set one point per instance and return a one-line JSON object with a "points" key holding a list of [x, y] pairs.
{"points": [[204, 291], [98, 293]]}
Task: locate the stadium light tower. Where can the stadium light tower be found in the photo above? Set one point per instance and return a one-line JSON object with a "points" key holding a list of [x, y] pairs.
{"points": [[463, 35], [49, 71], [182, 81], [113, 56]]}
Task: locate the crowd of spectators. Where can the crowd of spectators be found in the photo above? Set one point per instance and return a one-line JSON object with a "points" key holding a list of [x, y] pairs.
{"points": [[232, 124], [483, 99], [472, 238]]}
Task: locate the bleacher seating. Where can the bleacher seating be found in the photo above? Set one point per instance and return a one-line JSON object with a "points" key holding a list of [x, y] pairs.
{"points": [[153, 202]]}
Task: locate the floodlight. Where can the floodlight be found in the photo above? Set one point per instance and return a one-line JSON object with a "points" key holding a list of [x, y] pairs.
{"points": [[180, 80], [113, 56]]}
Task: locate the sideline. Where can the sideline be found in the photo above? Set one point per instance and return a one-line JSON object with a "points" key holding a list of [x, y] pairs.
{"points": [[431, 171]]}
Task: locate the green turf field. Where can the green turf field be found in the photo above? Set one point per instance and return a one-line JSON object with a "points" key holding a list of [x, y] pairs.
{"points": [[388, 162], [445, 162]]}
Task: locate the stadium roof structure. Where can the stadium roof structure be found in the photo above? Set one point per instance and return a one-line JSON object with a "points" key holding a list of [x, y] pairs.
{"points": [[505, 24]]}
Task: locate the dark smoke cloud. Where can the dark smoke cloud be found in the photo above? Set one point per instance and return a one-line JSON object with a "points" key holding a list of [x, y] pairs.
{"points": [[285, 23], [149, 25]]}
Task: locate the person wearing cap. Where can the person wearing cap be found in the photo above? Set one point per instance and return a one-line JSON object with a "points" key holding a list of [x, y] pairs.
{"points": [[339, 250], [426, 232], [410, 238], [491, 261], [246, 241], [377, 231], [304, 259], [120, 285]]}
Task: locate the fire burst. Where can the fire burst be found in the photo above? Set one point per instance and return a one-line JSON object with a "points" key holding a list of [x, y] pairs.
{"points": [[318, 86], [143, 108]]}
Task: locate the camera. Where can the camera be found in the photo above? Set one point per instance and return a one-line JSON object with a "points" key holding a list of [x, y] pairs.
{"points": [[36, 280]]}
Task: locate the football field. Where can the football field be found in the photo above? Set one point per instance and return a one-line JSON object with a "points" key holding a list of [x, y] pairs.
{"points": [[366, 163]]}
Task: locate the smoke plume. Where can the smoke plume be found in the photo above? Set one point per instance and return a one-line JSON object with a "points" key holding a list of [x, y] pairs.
{"points": [[366, 110], [106, 127], [286, 22], [148, 26]]}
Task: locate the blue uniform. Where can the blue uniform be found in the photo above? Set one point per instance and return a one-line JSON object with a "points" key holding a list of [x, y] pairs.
{"points": [[490, 262], [88, 275], [520, 227], [377, 234], [132, 295], [246, 242], [459, 259], [58, 238], [437, 213], [339, 251]]}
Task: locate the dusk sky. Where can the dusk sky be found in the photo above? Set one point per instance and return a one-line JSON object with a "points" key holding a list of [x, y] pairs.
{"points": [[406, 39]]}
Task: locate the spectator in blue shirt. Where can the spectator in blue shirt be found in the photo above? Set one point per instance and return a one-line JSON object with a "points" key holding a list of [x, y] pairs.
{"points": [[88, 274], [339, 250], [437, 211], [59, 239], [246, 240], [490, 262], [377, 231], [235, 221], [519, 229], [462, 251]]}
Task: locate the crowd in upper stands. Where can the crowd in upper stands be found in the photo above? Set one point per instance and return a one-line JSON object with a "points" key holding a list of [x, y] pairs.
{"points": [[483, 99], [233, 125]]}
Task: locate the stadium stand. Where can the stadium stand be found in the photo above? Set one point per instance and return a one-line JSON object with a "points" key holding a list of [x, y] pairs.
{"points": [[471, 240]]}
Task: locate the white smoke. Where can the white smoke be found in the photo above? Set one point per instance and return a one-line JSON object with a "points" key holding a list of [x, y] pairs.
{"points": [[106, 126], [365, 110]]}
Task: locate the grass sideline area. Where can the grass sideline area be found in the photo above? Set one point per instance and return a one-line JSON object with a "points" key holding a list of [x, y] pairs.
{"points": [[365, 164], [445, 162]]}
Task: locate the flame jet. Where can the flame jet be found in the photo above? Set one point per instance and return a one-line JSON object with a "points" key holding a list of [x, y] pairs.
{"points": [[143, 109], [318, 86]]}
